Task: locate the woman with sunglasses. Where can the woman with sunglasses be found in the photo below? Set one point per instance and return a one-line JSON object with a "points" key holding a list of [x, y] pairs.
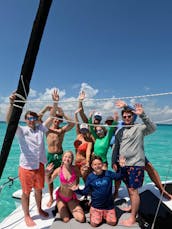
{"points": [[83, 146], [129, 143], [102, 138]]}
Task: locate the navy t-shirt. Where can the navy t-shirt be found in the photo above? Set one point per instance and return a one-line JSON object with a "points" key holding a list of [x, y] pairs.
{"points": [[100, 189]]}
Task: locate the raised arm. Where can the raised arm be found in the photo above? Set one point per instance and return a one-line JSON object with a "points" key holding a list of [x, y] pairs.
{"points": [[150, 126], [70, 122], [55, 97], [77, 121], [49, 174], [80, 106], [43, 111]]}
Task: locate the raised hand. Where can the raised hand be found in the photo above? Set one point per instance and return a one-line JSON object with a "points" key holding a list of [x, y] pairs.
{"points": [[55, 95], [138, 109], [49, 168], [12, 97], [82, 95], [120, 104]]}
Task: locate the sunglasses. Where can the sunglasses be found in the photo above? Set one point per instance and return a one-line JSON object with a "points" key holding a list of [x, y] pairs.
{"points": [[100, 131], [84, 130], [127, 116], [32, 118]]}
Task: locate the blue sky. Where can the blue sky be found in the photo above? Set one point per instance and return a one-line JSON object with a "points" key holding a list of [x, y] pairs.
{"points": [[109, 48]]}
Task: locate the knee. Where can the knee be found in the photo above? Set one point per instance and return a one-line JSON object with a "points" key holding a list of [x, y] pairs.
{"points": [[81, 219], [112, 223], [94, 224], [66, 220]]}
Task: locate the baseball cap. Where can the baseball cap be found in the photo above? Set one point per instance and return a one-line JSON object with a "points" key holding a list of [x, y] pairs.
{"points": [[84, 128], [98, 116], [109, 118]]}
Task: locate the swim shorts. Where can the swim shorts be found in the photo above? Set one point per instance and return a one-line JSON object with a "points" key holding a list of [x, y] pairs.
{"points": [[31, 178], [97, 215], [133, 176], [55, 158]]}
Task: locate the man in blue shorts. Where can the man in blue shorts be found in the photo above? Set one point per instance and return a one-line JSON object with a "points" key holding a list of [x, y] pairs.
{"points": [[129, 143], [153, 174]]}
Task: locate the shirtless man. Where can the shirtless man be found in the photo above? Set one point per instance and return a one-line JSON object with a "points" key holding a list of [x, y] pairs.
{"points": [[55, 137]]}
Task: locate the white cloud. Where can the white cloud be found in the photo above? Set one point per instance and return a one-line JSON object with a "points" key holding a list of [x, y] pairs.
{"points": [[89, 91], [156, 107], [32, 93]]}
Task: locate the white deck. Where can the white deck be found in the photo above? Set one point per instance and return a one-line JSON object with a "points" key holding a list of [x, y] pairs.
{"points": [[15, 220]]}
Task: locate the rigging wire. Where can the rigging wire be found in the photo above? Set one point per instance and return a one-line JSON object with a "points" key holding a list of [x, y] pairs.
{"points": [[161, 197], [102, 99]]}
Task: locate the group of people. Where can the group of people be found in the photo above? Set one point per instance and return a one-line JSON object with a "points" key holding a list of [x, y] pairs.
{"points": [[89, 160]]}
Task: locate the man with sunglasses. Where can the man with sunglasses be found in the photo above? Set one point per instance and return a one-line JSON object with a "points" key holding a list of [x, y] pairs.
{"points": [[149, 168], [55, 137], [129, 143], [32, 156]]}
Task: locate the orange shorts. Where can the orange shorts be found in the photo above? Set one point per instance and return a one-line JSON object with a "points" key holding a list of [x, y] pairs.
{"points": [[97, 216], [31, 178]]}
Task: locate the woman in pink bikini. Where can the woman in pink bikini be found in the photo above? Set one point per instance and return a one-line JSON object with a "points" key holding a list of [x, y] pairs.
{"points": [[67, 201]]}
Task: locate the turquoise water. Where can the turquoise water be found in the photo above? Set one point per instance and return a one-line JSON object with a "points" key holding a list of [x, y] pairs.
{"points": [[158, 149]]}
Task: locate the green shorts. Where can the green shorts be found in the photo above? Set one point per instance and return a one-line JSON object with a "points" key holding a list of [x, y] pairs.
{"points": [[55, 158]]}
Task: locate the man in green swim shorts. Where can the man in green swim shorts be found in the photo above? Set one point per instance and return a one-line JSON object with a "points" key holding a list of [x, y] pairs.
{"points": [[55, 137]]}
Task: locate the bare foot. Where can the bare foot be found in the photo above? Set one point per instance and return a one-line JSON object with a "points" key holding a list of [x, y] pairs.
{"points": [[43, 213], [126, 208], [50, 202], [128, 222], [29, 221]]}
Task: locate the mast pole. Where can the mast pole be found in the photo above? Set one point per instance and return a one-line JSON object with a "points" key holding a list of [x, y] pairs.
{"points": [[26, 74]]}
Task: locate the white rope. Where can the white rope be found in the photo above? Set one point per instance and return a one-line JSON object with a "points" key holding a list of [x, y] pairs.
{"points": [[24, 88], [15, 105], [21, 97], [105, 99]]}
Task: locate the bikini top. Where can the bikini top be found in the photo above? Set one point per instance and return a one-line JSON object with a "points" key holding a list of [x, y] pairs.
{"points": [[63, 180], [81, 147]]}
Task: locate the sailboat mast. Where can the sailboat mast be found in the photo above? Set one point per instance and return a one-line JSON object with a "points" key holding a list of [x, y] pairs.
{"points": [[26, 73]]}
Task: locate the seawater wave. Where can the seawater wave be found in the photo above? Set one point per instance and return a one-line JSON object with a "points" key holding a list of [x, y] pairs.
{"points": [[158, 149]]}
